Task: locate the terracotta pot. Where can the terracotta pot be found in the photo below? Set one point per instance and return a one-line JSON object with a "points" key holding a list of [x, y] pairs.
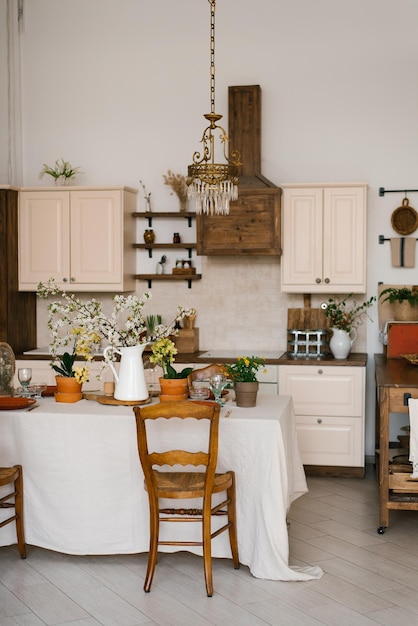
{"points": [[68, 389], [405, 312], [177, 388], [246, 394]]}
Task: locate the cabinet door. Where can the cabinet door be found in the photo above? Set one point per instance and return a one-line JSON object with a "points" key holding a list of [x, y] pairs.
{"points": [[343, 238], [324, 235], [302, 239], [324, 390], [96, 238], [331, 441], [44, 238]]}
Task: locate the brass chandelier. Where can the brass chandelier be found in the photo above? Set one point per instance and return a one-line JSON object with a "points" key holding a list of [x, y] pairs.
{"points": [[213, 185]]}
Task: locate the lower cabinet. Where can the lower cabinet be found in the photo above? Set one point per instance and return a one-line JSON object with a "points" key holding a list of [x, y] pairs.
{"points": [[329, 404]]}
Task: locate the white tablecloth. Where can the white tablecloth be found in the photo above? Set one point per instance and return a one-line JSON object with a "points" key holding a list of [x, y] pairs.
{"points": [[84, 491]]}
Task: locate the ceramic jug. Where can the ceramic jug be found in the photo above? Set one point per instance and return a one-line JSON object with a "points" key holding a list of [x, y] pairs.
{"points": [[341, 342], [130, 381]]}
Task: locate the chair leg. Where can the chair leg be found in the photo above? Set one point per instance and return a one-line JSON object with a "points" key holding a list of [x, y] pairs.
{"points": [[19, 514], [232, 519], [153, 544], [207, 549]]}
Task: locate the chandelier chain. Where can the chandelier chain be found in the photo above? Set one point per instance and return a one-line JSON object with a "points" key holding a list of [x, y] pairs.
{"points": [[212, 55]]}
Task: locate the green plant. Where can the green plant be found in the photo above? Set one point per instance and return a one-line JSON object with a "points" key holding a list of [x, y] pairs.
{"points": [[344, 319], [245, 369], [163, 353], [401, 294], [62, 169]]}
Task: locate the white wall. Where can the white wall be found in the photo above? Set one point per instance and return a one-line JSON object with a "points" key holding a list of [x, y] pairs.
{"points": [[120, 88]]}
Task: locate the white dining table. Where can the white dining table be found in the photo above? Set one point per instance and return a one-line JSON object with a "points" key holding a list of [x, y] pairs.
{"points": [[83, 483]]}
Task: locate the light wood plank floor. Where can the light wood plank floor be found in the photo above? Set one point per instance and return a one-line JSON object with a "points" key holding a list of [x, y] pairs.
{"points": [[368, 578]]}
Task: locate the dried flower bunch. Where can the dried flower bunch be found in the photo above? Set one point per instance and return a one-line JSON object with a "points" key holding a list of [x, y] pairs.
{"points": [[147, 197], [177, 182], [125, 326], [163, 353], [61, 169], [344, 319], [245, 369]]}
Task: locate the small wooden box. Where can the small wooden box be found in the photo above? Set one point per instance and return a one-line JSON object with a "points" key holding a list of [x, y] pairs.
{"points": [[184, 271], [402, 339], [187, 341]]}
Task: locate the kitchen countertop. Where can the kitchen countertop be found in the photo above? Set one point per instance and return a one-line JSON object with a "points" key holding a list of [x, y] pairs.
{"points": [[356, 359]]}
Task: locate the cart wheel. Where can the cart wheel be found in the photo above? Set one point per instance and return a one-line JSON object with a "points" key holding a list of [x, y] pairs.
{"points": [[381, 530]]}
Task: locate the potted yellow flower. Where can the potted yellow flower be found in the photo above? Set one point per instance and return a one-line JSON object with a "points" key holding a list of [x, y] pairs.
{"points": [[174, 385], [244, 375]]}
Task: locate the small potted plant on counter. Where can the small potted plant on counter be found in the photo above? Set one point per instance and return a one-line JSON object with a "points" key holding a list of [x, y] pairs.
{"points": [[344, 322], [404, 300], [244, 376], [174, 385]]}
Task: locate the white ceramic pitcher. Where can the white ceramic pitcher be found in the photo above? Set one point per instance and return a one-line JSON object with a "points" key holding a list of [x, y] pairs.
{"points": [[130, 382], [341, 342]]}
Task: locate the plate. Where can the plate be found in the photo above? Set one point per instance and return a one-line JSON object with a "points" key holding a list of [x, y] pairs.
{"points": [[411, 358], [9, 403]]}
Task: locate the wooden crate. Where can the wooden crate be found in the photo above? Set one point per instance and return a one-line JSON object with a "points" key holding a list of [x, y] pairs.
{"points": [[187, 341]]}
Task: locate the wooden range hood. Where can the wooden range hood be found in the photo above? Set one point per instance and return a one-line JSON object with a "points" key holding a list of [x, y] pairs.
{"points": [[253, 224]]}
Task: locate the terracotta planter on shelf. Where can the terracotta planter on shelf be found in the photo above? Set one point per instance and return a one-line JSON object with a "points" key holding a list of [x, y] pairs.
{"points": [[68, 389], [405, 311], [246, 394], [173, 389]]}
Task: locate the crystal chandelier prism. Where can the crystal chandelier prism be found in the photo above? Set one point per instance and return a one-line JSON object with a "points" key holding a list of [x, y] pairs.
{"points": [[213, 185]]}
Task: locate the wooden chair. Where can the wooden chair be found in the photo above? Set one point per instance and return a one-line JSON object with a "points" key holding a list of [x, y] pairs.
{"points": [[9, 475], [204, 373], [186, 484]]}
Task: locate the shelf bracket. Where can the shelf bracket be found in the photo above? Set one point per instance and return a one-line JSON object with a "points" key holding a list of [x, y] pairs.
{"points": [[189, 250], [149, 283], [189, 220], [150, 253], [406, 397]]}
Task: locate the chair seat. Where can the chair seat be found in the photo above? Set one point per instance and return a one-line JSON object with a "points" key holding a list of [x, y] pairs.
{"points": [[8, 475], [188, 484]]}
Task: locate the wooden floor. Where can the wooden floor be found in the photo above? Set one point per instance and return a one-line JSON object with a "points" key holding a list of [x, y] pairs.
{"points": [[368, 578]]}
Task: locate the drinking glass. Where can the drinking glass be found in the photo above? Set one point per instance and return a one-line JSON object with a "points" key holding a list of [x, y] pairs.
{"points": [[217, 383], [24, 375]]}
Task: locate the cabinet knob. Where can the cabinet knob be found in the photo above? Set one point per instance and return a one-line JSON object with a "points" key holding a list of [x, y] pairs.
{"points": [[327, 280], [319, 420], [320, 371], [72, 279], [317, 280], [64, 280]]}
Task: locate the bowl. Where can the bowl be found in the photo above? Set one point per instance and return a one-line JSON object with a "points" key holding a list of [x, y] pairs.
{"points": [[199, 393]]}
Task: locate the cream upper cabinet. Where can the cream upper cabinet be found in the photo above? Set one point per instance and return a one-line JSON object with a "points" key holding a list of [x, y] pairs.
{"points": [[81, 237], [324, 238]]}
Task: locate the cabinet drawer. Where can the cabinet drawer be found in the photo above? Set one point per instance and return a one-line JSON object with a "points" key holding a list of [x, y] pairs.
{"points": [[324, 390], [401, 481], [330, 441], [396, 399]]}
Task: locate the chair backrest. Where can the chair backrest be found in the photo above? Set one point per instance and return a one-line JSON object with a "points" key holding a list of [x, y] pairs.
{"points": [[204, 373], [181, 410]]}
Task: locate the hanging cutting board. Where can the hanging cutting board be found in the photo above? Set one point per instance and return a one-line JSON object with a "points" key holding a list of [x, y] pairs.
{"points": [[306, 319]]}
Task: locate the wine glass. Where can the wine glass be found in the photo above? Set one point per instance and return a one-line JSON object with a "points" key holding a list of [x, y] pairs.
{"points": [[217, 383], [24, 375]]}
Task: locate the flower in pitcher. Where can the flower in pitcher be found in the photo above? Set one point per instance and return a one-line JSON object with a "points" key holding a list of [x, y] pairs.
{"points": [[346, 319], [69, 318]]}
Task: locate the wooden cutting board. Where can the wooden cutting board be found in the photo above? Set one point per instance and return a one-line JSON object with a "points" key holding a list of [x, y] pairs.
{"points": [[306, 319], [102, 399]]}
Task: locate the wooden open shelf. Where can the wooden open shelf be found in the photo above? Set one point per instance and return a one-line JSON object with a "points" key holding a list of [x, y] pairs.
{"points": [[168, 277]]}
